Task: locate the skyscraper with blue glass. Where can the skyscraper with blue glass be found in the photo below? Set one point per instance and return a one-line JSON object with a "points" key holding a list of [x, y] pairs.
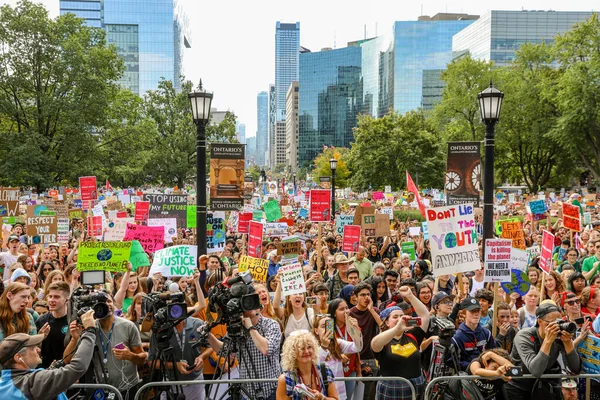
{"points": [[262, 130], [287, 63], [150, 36]]}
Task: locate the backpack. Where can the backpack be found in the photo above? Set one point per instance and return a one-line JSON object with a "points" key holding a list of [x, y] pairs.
{"points": [[323, 368], [460, 390]]}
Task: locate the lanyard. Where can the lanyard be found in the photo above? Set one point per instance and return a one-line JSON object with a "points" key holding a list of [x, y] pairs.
{"points": [[342, 335], [107, 345], [180, 339]]}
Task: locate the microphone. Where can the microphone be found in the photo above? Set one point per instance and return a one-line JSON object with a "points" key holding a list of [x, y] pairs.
{"points": [[174, 287]]}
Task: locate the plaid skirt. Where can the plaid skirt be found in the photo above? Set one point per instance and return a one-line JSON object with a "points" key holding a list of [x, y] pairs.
{"points": [[389, 390]]}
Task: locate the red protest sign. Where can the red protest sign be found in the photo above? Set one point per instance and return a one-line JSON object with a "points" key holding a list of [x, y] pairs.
{"points": [[142, 210], [244, 222], [546, 254], [87, 187], [122, 214], [53, 193], [351, 238], [255, 233], [571, 217], [320, 205], [152, 238], [95, 226]]}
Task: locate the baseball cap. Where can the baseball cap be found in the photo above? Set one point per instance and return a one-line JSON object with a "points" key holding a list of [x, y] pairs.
{"points": [[384, 314], [13, 237], [470, 304], [569, 383], [439, 296], [15, 343], [545, 309]]}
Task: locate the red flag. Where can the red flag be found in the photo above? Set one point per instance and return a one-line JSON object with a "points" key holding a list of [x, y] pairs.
{"points": [[412, 188], [108, 187]]}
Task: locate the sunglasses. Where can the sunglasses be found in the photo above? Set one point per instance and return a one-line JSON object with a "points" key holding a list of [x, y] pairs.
{"points": [[573, 302]]}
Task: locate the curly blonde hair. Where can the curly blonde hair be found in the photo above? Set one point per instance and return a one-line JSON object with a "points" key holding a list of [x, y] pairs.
{"points": [[294, 344]]}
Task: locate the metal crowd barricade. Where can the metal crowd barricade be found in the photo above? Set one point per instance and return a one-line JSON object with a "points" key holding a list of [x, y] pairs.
{"points": [[435, 381], [98, 386], [149, 385]]}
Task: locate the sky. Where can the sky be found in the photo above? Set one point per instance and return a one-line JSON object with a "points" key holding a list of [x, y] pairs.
{"points": [[233, 41]]}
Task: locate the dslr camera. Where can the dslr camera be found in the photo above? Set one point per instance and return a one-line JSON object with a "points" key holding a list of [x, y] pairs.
{"points": [[84, 299]]}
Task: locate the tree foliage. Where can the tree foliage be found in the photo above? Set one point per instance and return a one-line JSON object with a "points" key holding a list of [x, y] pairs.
{"points": [[323, 166]]}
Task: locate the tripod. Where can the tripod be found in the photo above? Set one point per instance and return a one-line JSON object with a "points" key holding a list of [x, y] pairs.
{"points": [[443, 351], [165, 354]]}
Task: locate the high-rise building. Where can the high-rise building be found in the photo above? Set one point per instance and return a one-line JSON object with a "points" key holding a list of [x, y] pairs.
{"points": [[331, 97], [287, 63], [262, 127], [240, 132], [498, 34], [291, 127], [270, 157], [149, 36], [251, 150], [279, 144]]}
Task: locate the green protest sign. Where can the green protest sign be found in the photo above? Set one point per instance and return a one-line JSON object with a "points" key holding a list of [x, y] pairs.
{"points": [[499, 224], [409, 248], [257, 215], [103, 256], [138, 257], [191, 216], [272, 210]]}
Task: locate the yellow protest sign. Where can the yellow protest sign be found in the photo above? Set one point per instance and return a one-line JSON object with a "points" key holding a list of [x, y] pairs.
{"points": [[257, 266]]}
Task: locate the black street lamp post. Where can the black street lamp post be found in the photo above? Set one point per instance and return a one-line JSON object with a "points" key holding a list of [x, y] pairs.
{"points": [[490, 103], [333, 165], [200, 101]]}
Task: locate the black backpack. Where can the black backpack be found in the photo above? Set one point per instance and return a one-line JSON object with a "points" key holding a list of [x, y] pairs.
{"points": [[459, 390]]}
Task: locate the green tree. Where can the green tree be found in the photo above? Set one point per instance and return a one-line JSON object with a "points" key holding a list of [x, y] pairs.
{"points": [[254, 172], [323, 167], [385, 148], [56, 82]]}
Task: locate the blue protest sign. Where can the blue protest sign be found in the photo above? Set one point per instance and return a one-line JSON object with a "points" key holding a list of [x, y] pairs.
{"points": [[537, 207]]}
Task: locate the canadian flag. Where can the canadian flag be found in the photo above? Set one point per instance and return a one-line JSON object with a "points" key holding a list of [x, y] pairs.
{"points": [[412, 188]]}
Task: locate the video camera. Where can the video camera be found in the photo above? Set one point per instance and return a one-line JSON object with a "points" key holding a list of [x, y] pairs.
{"points": [[84, 299], [231, 298], [167, 309], [443, 328]]}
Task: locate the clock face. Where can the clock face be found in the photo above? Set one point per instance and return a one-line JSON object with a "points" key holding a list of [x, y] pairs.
{"points": [[452, 181], [476, 177]]}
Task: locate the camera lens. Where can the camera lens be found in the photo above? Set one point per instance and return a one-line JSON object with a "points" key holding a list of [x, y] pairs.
{"points": [[569, 327], [100, 310], [175, 311]]}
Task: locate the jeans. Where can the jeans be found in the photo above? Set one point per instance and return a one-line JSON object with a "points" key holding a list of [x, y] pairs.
{"points": [[350, 385], [370, 387]]}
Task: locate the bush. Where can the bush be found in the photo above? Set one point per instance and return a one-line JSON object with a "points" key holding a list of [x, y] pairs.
{"points": [[403, 215]]}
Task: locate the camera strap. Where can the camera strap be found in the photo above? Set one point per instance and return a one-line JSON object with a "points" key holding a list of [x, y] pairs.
{"points": [[105, 347]]}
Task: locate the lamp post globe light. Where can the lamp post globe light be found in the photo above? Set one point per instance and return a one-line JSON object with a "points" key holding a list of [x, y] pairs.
{"points": [[490, 103], [333, 166], [200, 101]]}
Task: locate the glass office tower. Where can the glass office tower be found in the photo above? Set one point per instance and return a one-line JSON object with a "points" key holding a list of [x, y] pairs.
{"points": [[287, 53], [262, 127], [149, 35]]}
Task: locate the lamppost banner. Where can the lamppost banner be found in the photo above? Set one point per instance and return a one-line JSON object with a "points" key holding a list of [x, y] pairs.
{"points": [[227, 176], [463, 173]]}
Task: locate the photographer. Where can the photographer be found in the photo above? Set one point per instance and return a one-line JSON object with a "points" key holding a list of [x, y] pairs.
{"points": [[19, 356], [537, 350], [263, 350]]}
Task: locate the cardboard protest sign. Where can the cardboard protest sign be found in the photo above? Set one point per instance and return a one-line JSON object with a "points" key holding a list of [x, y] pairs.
{"points": [[341, 221], [546, 253], [571, 217], [169, 225], [367, 224], [537, 207], [409, 248], [191, 217], [244, 219], [351, 240], [41, 229], [292, 279], [175, 261], [289, 248], [497, 260], [272, 210], [168, 206], [360, 210], [588, 351], [142, 211], [463, 173], [519, 259], [453, 239], [138, 257], [103, 256], [151, 238], [9, 202], [519, 283], [255, 236], [382, 225], [61, 210], [75, 213], [514, 231], [258, 267], [88, 189], [276, 229], [115, 230], [215, 231], [227, 176]]}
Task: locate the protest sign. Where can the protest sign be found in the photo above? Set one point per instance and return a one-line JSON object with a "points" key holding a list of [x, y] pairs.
{"points": [[382, 225], [115, 205], [289, 248], [151, 238], [276, 229], [425, 230], [388, 189], [62, 230], [367, 224], [513, 231], [519, 259], [453, 239], [320, 205], [257, 267], [589, 351], [546, 253], [414, 231], [257, 215], [75, 213], [360, 210], [537, 207], [587, 218], [94, 226], [98, 211], [124, 198], [227, 176], [175, 261], [138, 257], [463, 173], [142, 211], [103, 256], [9, 202], [190, 217], [534, 251], [351, 240], [377, 196], [519, 283], [389, 211], [88, 189], [244, 219], [115, 230], [497, 260], [303, 213], [61, 210], [500, 222], [41, 229], [409, 248], [341, 221], [292, 279], [571, 217], [169, 225], [215, 231], [168, 206], [272, 210], [255, 236]]}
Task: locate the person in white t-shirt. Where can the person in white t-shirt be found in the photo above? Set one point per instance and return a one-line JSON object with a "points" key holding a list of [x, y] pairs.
{"points": [[477, 282], [527, 315], [7, 258]]}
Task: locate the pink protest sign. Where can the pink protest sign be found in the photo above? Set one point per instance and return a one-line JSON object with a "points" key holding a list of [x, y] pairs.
{"points": [[378, 196], [152, 238], [547, 248]]}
